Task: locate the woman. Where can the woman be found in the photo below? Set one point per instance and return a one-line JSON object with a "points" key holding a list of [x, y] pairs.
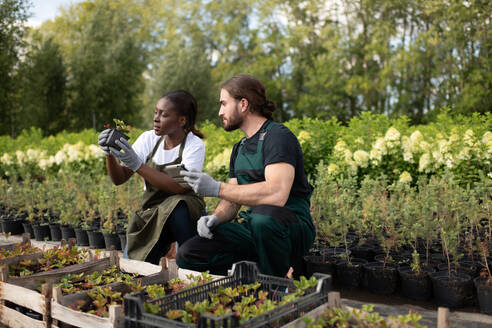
{"points": [[169, 211]]}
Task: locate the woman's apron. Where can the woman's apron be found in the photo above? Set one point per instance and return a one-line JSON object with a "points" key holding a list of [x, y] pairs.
{"points": [[145, 227]]}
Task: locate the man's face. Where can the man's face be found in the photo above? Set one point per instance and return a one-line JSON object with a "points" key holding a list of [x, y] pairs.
{"points": [[229, 111]]}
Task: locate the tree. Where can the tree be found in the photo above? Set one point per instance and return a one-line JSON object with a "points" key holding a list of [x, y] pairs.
{"points": [[43, 95], [13, 14]]}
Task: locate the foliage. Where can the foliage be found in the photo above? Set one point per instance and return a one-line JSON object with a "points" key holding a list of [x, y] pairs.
{"points": [[363, 317]]}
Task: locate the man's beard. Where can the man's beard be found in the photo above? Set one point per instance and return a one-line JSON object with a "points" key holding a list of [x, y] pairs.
{"points": [[233, 123]]}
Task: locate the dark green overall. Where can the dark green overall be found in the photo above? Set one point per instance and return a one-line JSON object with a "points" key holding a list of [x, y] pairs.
{"points": [[144, 228], [272, 236]]}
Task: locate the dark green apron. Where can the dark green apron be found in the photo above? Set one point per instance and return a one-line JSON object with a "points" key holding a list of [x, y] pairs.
{"points": [[145, 227], [273, 236]]}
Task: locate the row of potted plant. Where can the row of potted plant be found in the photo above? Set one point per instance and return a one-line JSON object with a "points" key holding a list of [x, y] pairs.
{"points": [[434, 225], [71, 206]]}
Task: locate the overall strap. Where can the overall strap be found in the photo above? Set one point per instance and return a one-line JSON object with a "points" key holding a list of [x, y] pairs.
{"points": [[149, 157]]}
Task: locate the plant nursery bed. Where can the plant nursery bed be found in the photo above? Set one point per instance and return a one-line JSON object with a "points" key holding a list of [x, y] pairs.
{"points": [[63, 306], [66, 308], [260, 291], [429, 317], [28, 307]]}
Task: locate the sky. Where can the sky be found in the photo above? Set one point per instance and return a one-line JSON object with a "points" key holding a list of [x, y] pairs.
{"points": [[43, 10]]}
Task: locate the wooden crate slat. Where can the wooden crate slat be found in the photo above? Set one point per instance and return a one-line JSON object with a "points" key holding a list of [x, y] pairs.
{"points": [[13, 319], [81, 319], [22, 296]]}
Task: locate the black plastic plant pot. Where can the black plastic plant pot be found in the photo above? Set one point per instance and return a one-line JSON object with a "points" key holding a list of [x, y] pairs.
{"points": [[13, 226], [28, 228], [365, 252], [96, 239], [67, 232], [484, 294], [112, 240], [122, 236], [81, 237], [320, 264], [55, 231], [41, 232], [349, 276], [416, 286], [381, 278], [113, 136], [451, 290]]}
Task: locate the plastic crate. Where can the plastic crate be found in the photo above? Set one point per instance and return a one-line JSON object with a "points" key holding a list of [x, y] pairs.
{"points": [[242, 273]]}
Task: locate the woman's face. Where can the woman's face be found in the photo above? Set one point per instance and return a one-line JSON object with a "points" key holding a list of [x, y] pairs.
{"points": [[167, 121]]}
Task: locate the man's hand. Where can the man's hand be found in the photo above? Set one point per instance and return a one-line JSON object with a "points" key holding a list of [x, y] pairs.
{"points": [[206, 224], [101, 140], [202, 183], [127, 155]]}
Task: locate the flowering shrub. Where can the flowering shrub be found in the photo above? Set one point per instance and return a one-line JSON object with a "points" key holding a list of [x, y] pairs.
{"points": [[404, 157]]}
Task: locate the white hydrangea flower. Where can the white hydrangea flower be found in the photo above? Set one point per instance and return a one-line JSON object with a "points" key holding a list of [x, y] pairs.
{"points": [[464, 154], [348, 155], [405, 177], [21, 157], [361, 158], [415, 139], [333, 169], [490, 174], [408, 156], [43, 164], [60, 157], [487, 138], [424, 162], [6, 159], [304, 137], [340, 146], [392, 138], [95, 151], [375, 155], [380, 145], [424, 146]]}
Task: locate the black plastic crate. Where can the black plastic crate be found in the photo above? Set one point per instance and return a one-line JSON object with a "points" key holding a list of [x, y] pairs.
{"points": [[242, 273]]}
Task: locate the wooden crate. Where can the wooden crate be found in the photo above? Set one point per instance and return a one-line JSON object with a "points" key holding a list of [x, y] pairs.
{"points": [[22, 291], [16, 259], [60, 305]]}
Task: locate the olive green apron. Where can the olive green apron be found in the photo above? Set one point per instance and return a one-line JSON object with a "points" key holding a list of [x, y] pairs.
{"points": [[145, 227]]}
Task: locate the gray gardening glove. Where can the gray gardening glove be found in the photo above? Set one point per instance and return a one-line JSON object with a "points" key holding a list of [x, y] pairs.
{"points": [[206, 224], [101, 140], [202, 183], [127, 155]]}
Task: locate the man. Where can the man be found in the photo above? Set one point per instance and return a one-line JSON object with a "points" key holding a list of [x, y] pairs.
{"points": [[267, 175]]}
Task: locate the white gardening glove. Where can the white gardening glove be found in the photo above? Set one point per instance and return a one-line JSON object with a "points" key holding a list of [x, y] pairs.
{"points": [[206, 224], [127, 155], [202, 183], [102, 139]]}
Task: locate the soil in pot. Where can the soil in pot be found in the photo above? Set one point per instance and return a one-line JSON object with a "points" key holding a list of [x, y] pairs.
{"points": [[13, 226], [484, 294], [349, 276], [451, 290], [55, 231], [380, 278], [28, 228], [96, 239], [110, 240], [81, 237], [41, 232], [416, 286], [67, 232]]}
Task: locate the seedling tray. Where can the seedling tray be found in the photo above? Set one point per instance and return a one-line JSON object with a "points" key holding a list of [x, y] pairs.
{"points": [[60, 305], [242, 273]]}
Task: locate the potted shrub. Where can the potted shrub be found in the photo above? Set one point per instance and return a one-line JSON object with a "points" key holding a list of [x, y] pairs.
{"points": [[117, 132], [348, 212], [483, 283], [109, 212], [451, 288]]}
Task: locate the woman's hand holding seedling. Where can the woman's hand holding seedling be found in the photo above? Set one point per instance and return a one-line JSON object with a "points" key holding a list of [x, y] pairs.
{"points": [[127, 155]]}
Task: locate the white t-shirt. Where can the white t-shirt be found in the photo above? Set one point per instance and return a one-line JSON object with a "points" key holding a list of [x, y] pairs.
{"points": [[193, 152]]}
